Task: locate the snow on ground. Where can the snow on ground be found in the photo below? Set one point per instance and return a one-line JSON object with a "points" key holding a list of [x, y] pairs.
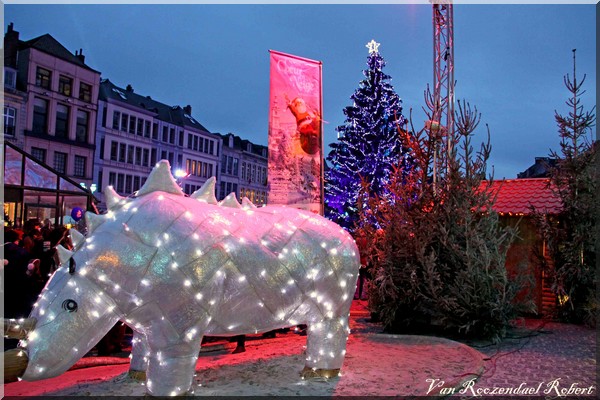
{"points": [[375, 364]]}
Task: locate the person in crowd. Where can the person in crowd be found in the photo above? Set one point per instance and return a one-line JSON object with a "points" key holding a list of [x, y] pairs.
{"points": [[22, 280], [363, 273]]}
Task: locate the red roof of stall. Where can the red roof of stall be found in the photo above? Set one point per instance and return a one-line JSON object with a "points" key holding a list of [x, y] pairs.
{"points": [[516, 196]]}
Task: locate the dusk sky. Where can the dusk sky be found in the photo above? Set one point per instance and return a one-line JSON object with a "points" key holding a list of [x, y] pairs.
{"points": [[509, 59]]}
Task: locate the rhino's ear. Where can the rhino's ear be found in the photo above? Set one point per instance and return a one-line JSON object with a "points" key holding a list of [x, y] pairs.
{"points": [[76, 237], [161, 180], [246, 203], [206, 192], [63, 254], [113, 200], [230, 201], [93, 221]]}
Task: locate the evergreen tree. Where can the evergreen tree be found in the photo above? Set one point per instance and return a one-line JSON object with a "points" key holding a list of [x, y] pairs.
{"points": [[368, 146], [572, 235], [439, 257]]}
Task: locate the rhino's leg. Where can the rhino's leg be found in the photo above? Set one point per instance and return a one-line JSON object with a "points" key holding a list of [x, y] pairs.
{"points": [[139, 357], [326, 347], [171, 370]]}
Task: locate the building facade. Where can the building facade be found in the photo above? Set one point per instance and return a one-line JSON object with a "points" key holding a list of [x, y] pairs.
{"points": [[59, 111], [56, 123], [136, 131], [244, 167]]}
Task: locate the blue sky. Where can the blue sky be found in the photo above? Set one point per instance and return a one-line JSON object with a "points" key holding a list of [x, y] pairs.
{"points": [[509, 59]]}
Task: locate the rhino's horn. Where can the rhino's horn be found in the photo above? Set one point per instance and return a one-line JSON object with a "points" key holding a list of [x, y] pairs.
{"points": [[206, 192], [18, 329], [76, 237], [15, 364], [113, 200], [93, 221], [161, 180], [63, 254], [230, 201], [246, 203]]}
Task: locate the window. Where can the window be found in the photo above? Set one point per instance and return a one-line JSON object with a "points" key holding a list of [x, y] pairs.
{"points": [[124, 119], [235, 166], [10, 120], [153, 157], [116, 119], [138, 156], [81, 132], [229, 165], [60, 162], [122, 150], [40, 115], [114, 150], [146, 157], [10, 77], [206, 145], [79, 168], [128, 183], [163, 155], [136, 183], [85, 92], [212, 147], [140, 127], [190, 140], [147, 130], [172, 136], [132, 124], [165, 135], [155, 131], [65, 85], [102, 144], [210, 170], [181, 138], [62, 121], [130, 154], [39, 154], [112, 179], [120, 182], [196, 139], [42, 78], [243, 170], [201, 144]]}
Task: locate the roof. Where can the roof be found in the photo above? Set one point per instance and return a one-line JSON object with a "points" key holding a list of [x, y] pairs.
{"points": [[518, 196], [47, 44], [171, 114], [242, 144]]}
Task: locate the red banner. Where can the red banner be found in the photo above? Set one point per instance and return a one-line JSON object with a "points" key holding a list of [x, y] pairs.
{"points": [[295, 133]]}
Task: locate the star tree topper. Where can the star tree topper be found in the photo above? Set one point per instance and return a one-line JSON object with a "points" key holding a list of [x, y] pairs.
{"points": [[373, 46]]}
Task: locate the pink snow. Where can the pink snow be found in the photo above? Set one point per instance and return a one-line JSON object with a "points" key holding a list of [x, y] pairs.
{"points": [[375, 364]]}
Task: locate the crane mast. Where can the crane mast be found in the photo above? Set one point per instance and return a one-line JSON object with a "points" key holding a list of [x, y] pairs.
{"points": [[442, 123]]}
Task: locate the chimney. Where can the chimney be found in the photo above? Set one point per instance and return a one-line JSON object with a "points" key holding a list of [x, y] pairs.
{"points": [[129, 88], [187, 109], [11, 46], [80, 55]]}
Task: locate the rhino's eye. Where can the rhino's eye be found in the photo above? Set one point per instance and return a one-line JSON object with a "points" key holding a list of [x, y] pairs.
{"points": [[69, 305], [72, 266]]}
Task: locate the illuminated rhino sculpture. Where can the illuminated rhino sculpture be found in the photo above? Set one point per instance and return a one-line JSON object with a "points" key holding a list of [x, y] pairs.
{"points": [[176, 268]]}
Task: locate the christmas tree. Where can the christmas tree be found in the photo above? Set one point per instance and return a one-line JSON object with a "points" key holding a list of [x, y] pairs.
{"points": [[368, 147], [572, 235]]}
